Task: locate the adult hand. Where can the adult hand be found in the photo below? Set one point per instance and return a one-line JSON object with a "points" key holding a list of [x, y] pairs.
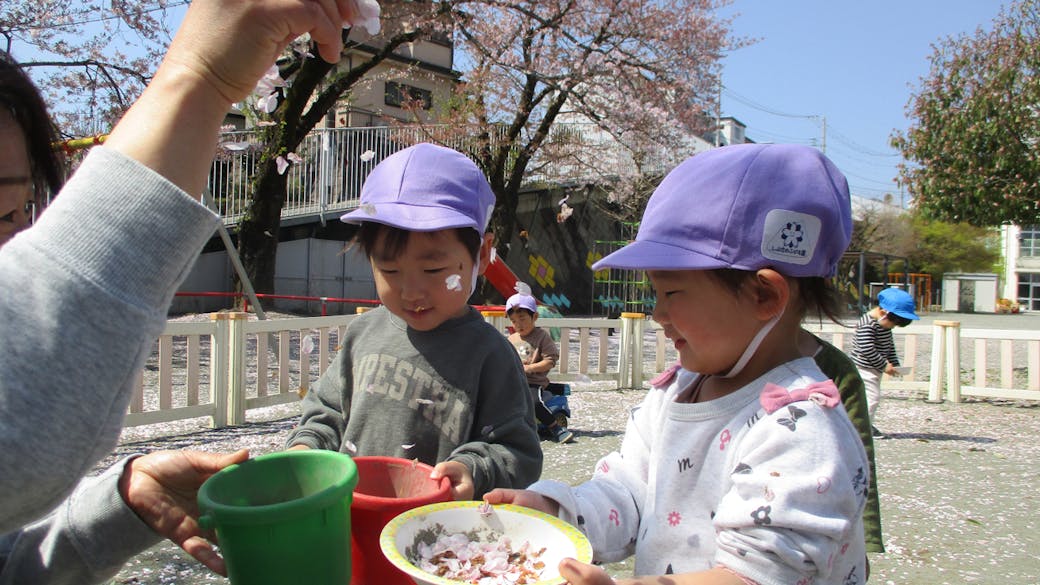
{"points": [[461, 479], [525, 498], [161, 488], [230, 43], [221, 50]]}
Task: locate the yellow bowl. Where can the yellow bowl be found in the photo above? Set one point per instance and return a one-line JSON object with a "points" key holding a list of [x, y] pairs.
{"points": [[402, 535]]}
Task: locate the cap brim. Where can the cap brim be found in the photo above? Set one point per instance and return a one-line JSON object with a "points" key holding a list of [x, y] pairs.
{"points": [[409, 217], [911, 316], [647, 255]]}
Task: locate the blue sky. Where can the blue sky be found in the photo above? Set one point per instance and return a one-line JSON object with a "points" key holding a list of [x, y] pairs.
{"points": [[853, 62]]}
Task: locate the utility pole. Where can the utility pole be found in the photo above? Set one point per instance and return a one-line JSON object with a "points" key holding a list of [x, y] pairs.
{"points": [[718, 116], [823, 141]]}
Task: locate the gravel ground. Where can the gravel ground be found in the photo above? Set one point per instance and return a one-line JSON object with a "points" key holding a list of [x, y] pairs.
{"points": [[957, 484]]}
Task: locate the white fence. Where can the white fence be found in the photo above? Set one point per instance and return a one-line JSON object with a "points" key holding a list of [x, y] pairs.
{"points": [[231, 364]]}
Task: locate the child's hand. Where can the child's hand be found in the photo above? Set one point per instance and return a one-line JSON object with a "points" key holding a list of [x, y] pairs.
{"points": [[891, 370], [461, 479], [579, 573], [525, 498]]}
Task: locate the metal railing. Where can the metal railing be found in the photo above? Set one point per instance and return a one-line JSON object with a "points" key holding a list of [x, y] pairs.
{"points": [[335, 161]]}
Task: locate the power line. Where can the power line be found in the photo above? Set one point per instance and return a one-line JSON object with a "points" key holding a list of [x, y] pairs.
{"points": [[32, 25]]}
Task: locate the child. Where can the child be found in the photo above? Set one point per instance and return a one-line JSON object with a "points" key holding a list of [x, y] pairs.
{"points": [[873, 347], [424, 376], [741, 467], [538, 354]]}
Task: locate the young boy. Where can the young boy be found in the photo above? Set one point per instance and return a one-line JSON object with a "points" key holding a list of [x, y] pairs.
{"points": [[424, 376], [539, 355], [874, 349]]}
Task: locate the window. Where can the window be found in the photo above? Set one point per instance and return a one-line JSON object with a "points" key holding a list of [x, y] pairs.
{"points": [[1029, 290], [398, 94], [1029, 241]]}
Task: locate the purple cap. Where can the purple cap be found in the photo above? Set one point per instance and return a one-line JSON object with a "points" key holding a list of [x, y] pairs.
{"points": [[425, 188], [747, 206], [521, 301]]}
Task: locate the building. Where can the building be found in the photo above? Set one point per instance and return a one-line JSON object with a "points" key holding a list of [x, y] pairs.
{"points": [[1020, 253], [418, 74]]}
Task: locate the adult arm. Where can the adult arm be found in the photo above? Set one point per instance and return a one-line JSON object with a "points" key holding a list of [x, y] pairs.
{"points": [[85, 540], [87, 287], [114, 516]]}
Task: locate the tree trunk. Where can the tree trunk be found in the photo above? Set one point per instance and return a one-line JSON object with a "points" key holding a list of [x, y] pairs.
{"points": [[258, 232]]}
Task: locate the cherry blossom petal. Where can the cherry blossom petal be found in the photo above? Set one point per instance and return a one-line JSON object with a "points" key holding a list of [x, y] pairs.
{"points": [[282, 164], [367, 155], [453, 282]]}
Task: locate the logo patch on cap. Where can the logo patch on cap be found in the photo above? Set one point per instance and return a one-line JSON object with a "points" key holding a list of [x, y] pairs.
{"points": [[790, 236]]}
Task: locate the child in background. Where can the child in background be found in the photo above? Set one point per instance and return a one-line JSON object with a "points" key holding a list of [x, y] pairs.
{"points": [[424, 376], [741, 467], [874, 348], [538, 353]]}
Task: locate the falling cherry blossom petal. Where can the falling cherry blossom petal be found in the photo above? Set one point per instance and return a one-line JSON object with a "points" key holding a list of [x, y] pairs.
{"points": [[307, 345], [408, 446], [349, 446], [367, 155], [294, 158]]}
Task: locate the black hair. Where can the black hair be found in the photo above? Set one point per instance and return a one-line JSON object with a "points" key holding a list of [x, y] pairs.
{"points": [[899, 320], [817, 295], [397, 239], [23, 101]]}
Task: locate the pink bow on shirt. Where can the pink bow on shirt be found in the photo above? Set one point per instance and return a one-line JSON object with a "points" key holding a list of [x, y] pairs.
{"points": [[666, 377], [775, 397]]}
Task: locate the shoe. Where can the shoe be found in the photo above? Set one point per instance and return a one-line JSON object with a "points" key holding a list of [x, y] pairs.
{"points": [[560, 434], [876, 433]]}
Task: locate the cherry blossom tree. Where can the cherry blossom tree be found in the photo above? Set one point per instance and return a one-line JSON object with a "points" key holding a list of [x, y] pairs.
{"points": [[972, 144], [640, 75], [91, 58]]}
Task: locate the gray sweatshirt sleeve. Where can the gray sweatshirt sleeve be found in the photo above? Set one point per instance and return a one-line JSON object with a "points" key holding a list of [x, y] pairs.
{"points": [[82, 294], [86, 540], [505, 450]]}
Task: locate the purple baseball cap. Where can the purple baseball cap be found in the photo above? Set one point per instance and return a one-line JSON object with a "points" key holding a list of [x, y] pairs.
{"points": [[746, 206], [425, 188], [522, 301]]}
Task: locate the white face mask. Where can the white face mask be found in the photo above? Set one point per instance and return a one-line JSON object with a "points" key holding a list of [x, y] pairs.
{"points": [[752, 347]]}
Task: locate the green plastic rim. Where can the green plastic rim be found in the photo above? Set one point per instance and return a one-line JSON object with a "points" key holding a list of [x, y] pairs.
{"points": [[213, 512]]}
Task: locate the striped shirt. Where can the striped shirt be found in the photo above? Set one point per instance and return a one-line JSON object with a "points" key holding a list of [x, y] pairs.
{"points": [[873, 346]]}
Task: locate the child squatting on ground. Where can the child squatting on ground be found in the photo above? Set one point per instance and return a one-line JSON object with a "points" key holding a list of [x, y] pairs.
{"points": [[424, 376], [538, 353], [741, 466], [874, 348]]}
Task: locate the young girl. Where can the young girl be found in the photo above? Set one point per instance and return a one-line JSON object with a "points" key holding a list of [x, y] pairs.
{"points": [[741, 466]]}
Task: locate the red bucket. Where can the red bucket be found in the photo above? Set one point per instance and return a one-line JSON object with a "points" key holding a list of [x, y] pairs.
{"points": [[386, 487]]}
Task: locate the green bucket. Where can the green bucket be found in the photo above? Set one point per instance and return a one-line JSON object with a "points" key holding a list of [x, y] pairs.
{"points": [[283, 517]]}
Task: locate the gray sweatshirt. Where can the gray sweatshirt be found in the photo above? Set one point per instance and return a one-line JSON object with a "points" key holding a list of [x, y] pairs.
{"points": [[83, 294], [457, 393]]}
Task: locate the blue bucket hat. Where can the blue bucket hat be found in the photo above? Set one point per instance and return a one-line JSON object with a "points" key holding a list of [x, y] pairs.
{"points": [[746, 206], [898, 302], [425, 188]]}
